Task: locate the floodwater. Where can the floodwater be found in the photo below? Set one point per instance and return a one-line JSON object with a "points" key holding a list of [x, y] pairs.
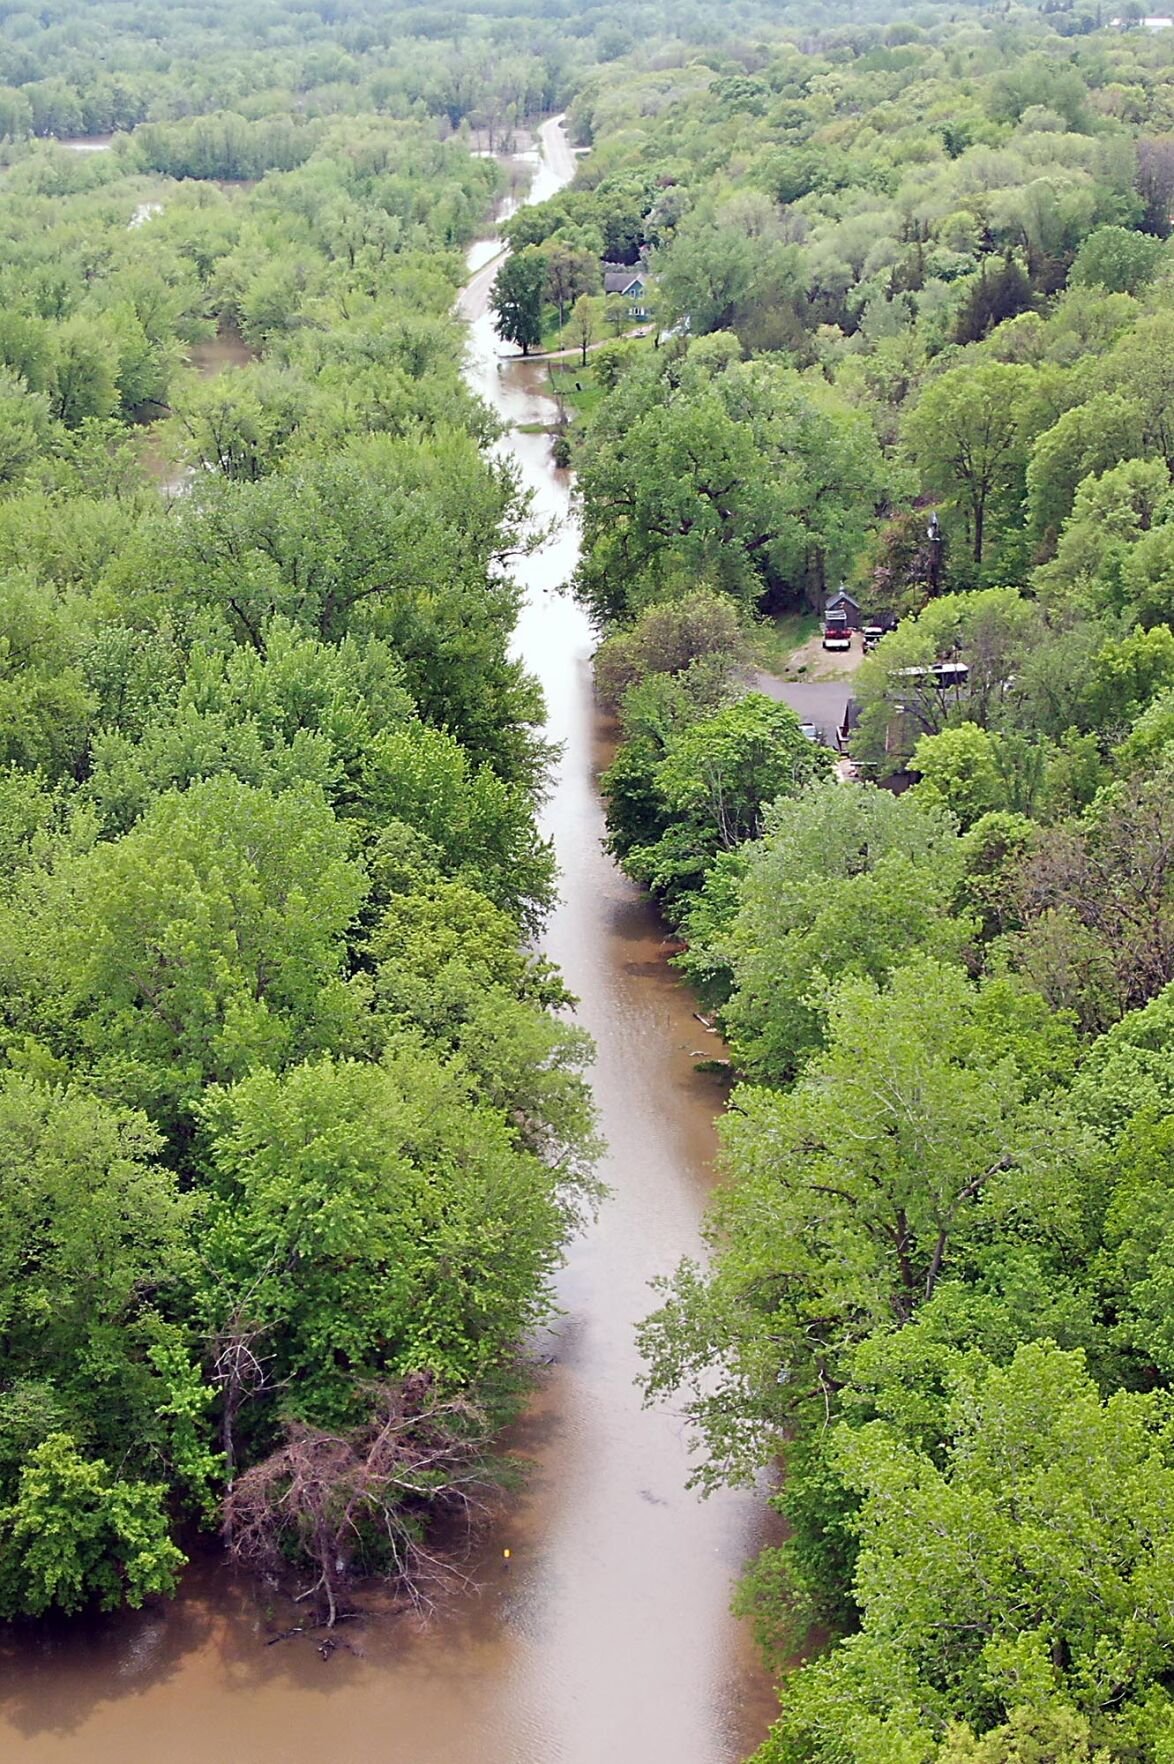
{"points": [[606, 1637], [227, 349], [209, 357], [88, 143]]}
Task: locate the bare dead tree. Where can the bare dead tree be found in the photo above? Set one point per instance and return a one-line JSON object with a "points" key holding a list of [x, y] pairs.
{"points": [[240, 1371], [345, 1506]]}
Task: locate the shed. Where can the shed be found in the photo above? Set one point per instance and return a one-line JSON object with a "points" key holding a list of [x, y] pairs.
{"points": [[847, 728], [842, 601]]}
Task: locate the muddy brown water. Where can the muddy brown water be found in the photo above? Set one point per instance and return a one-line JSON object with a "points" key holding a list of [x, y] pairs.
{"points": [[227, 349], [209, 357], [606, 1638]]}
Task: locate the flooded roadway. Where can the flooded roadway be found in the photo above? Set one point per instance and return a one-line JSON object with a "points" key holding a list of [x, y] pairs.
{"points": [[606, 1638]]}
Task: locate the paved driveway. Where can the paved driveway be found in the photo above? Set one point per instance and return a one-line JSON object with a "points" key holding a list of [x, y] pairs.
{"points": [[821, 702]]}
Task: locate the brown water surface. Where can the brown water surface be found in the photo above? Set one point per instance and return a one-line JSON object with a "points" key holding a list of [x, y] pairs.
{"points": [[227, 349], [209, 357], [606, 1639]]}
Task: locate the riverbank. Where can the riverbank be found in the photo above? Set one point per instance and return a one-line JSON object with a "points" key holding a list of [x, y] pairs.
{"points": [[605, 1635]]}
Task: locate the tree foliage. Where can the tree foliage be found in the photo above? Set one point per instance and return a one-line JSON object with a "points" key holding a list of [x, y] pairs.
{"points": [[292, 1127], [516, 298]]}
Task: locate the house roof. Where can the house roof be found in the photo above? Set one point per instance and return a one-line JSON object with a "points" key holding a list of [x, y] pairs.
{"points": [[842, 598], [620, 281]]}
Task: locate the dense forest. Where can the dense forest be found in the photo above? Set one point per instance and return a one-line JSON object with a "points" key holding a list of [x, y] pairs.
{"points": [[294, 1120], [913, 332], [292, 1127]]}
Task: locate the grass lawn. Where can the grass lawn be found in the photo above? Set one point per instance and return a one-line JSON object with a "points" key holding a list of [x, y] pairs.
{"points": [[556, 337], [776, 640], [566, 336], [576, 389], [564, 379]]}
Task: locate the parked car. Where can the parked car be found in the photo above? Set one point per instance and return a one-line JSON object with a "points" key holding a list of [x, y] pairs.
{"points": [[837, 632]]}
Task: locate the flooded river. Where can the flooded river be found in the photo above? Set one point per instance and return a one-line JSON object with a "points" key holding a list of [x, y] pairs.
{"points": [[606, 1637]]}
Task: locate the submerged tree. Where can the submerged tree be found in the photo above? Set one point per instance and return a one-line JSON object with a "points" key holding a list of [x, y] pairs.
{"points": [[342, 1506]]}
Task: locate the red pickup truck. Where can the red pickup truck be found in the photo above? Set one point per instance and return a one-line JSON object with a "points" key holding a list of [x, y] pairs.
{"points": [[837, 632]]}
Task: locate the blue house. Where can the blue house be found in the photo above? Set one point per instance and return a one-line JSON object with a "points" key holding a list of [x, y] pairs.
{"points": [[629, 283]]}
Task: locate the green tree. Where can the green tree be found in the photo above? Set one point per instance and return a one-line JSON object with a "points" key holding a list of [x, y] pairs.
{"points": [[97, 1265], [1087, 439], [210, 939], [402, 539], [516, 298], [448, 967], [904, 696], [965, 434], [85, 366], [1018, 1565], [1111, 512], [76, 1534], [668, 638], [846, 880], [912, 1141], [482, 826], [711, 786], [1116, 259], [723, 770], [959, 771], [572, 275], [583, 324], [744, 475], [1052, 1735], [422, 1234], [24, 425], [711, 274], [1141, 367]]}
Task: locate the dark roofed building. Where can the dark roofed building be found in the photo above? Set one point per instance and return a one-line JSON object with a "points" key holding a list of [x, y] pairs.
{"points": [[629, 283], [842, 601]]}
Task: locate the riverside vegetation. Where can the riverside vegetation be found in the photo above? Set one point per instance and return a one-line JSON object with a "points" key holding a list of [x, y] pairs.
{"points": [[904, 270], [292, 1127]]}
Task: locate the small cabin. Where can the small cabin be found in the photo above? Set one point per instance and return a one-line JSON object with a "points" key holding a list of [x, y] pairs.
{"points": [[842, 603], [846, 728]]}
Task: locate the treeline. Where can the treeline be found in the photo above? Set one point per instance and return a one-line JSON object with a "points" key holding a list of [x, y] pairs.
{"points": [[292, 1128], [916, 271], [70, 69], [110, 276]]}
